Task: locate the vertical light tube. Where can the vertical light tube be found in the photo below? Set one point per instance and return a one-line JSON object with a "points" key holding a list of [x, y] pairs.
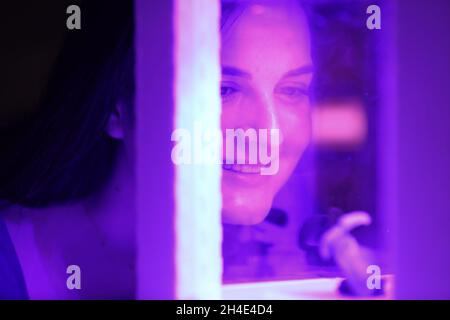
{"points": [[387, 136], [198, 194], [154, 112], [423, 122]]}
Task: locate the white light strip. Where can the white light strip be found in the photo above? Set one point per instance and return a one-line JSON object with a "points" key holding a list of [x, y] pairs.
{"points": [[198, 194]]}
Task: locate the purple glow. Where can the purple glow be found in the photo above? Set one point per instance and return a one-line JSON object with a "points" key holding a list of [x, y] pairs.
{"points": [[358, 198]]}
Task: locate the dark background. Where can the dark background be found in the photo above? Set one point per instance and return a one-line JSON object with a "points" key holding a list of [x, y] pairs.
{"points": [[32, 33]]}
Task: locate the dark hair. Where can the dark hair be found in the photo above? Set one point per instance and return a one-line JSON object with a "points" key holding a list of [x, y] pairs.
{"points": [[62, 153]]}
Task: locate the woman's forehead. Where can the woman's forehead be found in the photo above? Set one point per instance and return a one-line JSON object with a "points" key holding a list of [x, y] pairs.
{"points": [[267, 20], [267, 34], [270, 12]]}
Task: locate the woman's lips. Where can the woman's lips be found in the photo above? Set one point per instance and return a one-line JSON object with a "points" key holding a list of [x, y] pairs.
{"points": [[243, 175], [243, 168]]}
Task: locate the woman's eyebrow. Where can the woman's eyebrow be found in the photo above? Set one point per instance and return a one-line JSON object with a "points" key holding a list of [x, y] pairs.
{"points": [[306, 69], [233, 71]]}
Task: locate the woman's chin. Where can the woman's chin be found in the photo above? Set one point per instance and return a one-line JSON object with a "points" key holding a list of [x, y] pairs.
{"points": [[245, 210]]}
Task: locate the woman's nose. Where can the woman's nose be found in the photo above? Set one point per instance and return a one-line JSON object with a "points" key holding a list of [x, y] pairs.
{"points": [[261, 113]]}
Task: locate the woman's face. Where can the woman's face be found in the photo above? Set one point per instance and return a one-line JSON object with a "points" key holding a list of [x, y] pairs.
{"points": [[266, 74]]}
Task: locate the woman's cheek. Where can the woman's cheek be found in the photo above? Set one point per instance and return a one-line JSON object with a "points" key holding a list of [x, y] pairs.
{"points": [[296, 132]]}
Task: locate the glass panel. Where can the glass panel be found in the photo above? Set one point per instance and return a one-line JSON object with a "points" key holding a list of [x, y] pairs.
{"points": [[310, 70]]}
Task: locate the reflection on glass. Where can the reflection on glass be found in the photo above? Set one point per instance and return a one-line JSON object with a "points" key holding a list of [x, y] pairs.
{"points": [[302, 68]]}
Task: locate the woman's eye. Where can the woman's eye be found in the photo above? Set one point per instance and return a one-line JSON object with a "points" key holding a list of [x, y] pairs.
{"points": [[292, 93], [227, 92]]}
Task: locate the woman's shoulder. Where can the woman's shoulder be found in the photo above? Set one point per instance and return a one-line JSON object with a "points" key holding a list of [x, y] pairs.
{"points": [[12, 281]]}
